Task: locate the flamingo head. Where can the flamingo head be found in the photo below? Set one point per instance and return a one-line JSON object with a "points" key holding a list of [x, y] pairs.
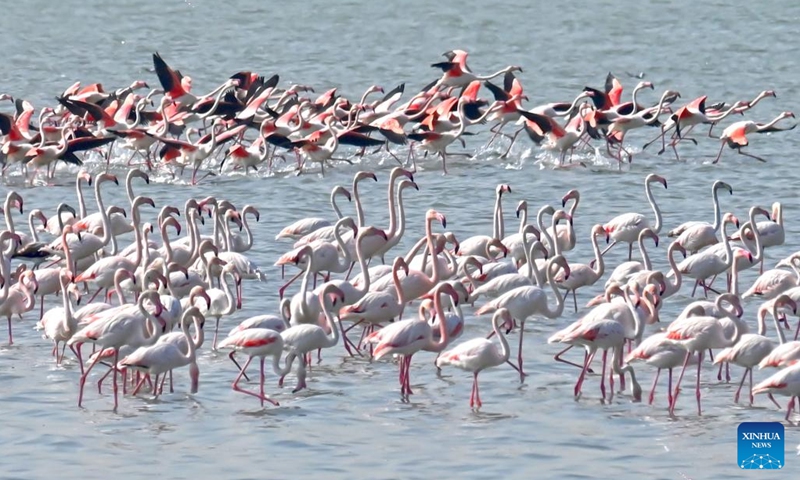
{"points": [[451, 238], [116, 209], [432, 215], [445, 288], [656, 178], [496, 242], [340, 190], [251, 209], [560, 261], [170, 221], [573, 194], [15, 200], [529, 228], [176, 267], [787, 302], [121, 274], [503, 315], [502, 188], [333, 293], [473, 260], [198, 291], [598, 230], [787, 115], [371, 231], [522, 206], [537, 245], [400, 264], [84, 176], [562, 215], [647, 233]]}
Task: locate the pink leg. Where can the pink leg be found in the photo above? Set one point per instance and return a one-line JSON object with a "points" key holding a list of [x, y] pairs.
{"points": [[286, 285], [519, 355], [138, 386], [750, 374], [116, 385], [472, 395], [557, 358], [653, 390], [582, 376], [82, 380], [738, 390], [603, 375], [769, 395], [678, 384], [669, 390], [477, 391], [10, 336], [611, 379], [697, 389], [789, 408]]}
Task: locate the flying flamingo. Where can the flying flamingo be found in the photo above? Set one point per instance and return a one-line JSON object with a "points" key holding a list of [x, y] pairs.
{"points": [[626, 227], [407, 337], [479, 354], [735, 135], [457, 74]]}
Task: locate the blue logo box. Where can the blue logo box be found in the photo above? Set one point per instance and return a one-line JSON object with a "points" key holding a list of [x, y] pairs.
{"points": [[761, 446]]}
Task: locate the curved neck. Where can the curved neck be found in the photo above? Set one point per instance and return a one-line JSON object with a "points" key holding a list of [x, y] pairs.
{"points": [[548, 238], [81, 200], [357, 197], [9, 220], [727, 244], [645, 257], [335, 206], [191, 342], [103, 214], [656, 211], [674, 287], [362, 264], [118, 289], [717, 211], [440, 345], [655, 116], [398, 288], [248, 233], [598, 256], [559, 298], [231, 307], [523, 219], [435, 266], [167, 243], [333, 338], [394, 237], [194, 235], [759, 253], [504, 348], [343, 262], [34, 233], [392, 209]]}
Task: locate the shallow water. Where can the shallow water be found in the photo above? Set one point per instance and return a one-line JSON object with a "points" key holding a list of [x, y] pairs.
{"points": [[351, 420]]}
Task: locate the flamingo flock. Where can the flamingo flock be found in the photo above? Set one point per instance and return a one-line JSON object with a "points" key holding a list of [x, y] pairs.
{"points": [[250, 122], [150, 301]]}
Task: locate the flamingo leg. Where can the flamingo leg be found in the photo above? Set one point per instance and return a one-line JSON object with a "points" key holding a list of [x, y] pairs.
{"points": [[238, 367], [603, 375], [472, 395], [116, 385], [582, 376], [669, 389], [557, 358], [82, 380], [678, 384], [286, 285], [738, 390], [697, 388], [739, 150], [477, 391], [652, 395]]}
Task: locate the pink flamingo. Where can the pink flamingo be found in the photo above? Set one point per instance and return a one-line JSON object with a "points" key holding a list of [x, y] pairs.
{"points": [[697, 334], [407, 337], [479, 354], [735, 135]]}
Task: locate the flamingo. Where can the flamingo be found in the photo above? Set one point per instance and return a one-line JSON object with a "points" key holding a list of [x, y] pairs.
{"points": [[582, 275], [458, 74], [527, 301], [407, 337], [18, 299], [305, 226], [626, 227], [164, 357], [735, 135], [59, 323], [694, 236], [785, 382], [262, 343], [301, 339], [696, 334], [706, 264], [479, 354], [750, 350], [117, 330]]}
